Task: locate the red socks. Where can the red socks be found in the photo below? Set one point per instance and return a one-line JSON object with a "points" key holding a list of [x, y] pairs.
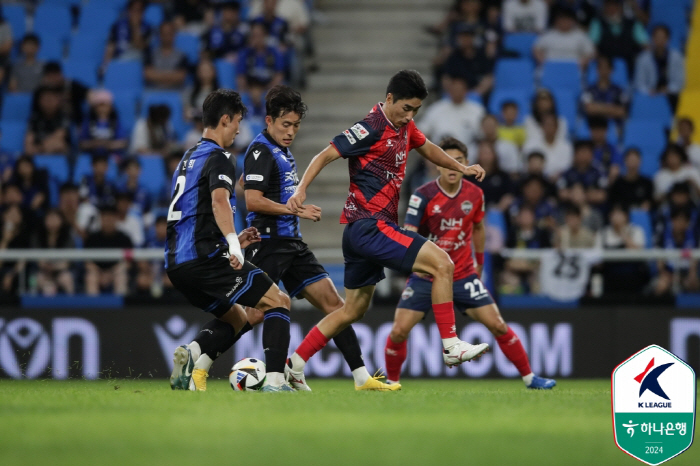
{"points": [[312, 344], [514, 351], [445, 320], [394, 357]]}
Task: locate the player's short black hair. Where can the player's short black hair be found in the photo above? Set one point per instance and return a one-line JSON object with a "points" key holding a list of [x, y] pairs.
{"points": [[407, 84], [52, 67], [281, 100], [583, 144], [31, 37], [219, 103], [66, 187], [453, 143], [598, 122], [572, 209], [100, 158]]}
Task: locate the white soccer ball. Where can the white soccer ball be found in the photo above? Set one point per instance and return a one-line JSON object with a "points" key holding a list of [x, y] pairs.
{"points": [[247, 374]]}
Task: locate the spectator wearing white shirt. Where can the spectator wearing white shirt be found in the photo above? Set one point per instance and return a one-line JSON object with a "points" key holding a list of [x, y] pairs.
{"points": [[621, 234], [565, 42], [507, 153], [127, 221], [454, 116], [674, 169], [558, 152], [525, 15], [686, 128], [542, 104]]}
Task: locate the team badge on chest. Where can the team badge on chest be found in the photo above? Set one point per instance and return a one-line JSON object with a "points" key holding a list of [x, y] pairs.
{"points": [[467, 207]]}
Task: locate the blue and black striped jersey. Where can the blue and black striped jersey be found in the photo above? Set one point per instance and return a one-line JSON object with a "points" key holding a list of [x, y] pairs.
{"points": [[271, 169], [192, 229]]}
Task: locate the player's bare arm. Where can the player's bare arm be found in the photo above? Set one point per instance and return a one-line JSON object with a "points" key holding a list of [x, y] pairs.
{"points": [[326, 156], [257, 202], [223, 215], [438, 156], [479, 240]]}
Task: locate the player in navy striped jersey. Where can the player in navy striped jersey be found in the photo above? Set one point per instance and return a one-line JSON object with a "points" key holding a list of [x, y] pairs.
{"points": [[203, 255]]}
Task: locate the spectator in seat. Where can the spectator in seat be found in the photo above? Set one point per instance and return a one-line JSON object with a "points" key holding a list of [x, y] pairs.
{"points": [[129, 36], [129, 221], [584, 10], [565, 41], [574, 234], [497, 184], [14, 235], [454, 116], [686, 129], [588, 173], [101, 275], [34, 184], [194, 16], [592, 218], [26, 72], [525, 16], [96, 188], [6, 44], [259, 60], [535, 167], [276, 27], [205, 82], [254, 100], [470, 63], [616, 36], [604, 153], [632, 189], [509, 129], [165, 66], [73, 93], [519, 275], [101, 133], [558, 152], [623, 277], [155, 133], [674, 169], [678, 198], [52, 276], [507, 152], [7, 164], [150, 277], [678, 234], [131, 185], [660, 70], [605, 99], [533, 197], [542, 104], [69, 207], [194, 134], [48, 131], [226, 39]]}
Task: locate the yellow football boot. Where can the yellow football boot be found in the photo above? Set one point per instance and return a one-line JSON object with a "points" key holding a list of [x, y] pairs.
{"points": [[374, 383], [199, 380]]}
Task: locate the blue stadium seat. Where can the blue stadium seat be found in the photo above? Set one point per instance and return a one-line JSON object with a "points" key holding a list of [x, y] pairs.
{"points": [[51, 48], [189, 44], [125, 102], [123, 75], [83, 166], [85, 47], [520, 42], [649, 137], [651, 107], [57, 167], [561, 75], [172, 99], [84, 71], [67, 3], [226, 72], [674, 14], [521, 97], [567, 105], [97, 17], [152, 173], [16, 16], [12, 139], [16, 106], [515, 74], [52, 22], [154, 15], [619, 74], [496, 219], [117, 5], [642, 219]]}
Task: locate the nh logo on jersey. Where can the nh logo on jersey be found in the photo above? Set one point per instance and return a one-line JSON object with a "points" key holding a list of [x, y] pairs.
{"points": [[467, 207], [400, 158], [653, 404], [450, 224]]}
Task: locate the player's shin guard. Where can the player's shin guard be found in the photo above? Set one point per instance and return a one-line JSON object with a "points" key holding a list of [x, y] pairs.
{"points": [[217, 336], [394, 357], [276, 339], [445, 320], [347, 343], [513, 349]]}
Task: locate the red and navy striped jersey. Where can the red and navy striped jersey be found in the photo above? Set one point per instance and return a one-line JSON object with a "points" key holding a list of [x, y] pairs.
{"points": [[376, 153], [447, 220]]}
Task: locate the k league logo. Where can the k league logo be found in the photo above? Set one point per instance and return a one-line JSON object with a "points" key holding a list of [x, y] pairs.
{"points": [[653, 404]]}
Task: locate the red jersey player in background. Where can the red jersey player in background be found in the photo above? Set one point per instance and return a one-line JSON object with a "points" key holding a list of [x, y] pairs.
{"points": [[376, 149], [447, 211]]}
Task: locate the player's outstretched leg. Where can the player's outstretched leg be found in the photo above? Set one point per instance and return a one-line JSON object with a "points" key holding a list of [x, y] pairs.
{"points": [[436, 262], [395, 351], [510, 344]]}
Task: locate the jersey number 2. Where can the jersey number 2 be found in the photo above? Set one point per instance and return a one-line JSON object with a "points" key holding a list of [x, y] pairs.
{"points": [[476, 288], [175, 215]]}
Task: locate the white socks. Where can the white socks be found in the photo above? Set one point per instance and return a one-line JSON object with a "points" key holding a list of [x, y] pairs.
{"points": [[203, 362], [195, 350], [360, 375], [447, 342], [298, 363], [276, 379], [528, 379]]}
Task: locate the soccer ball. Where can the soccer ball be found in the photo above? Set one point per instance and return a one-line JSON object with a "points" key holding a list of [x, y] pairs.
{"points": [[247, 374]]}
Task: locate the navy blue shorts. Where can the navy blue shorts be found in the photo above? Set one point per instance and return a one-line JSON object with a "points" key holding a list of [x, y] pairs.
{"points": [[469, 293], [369, 245]]}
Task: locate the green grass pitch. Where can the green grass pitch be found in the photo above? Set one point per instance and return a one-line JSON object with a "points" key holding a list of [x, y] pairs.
{"points": [[451, 422]]}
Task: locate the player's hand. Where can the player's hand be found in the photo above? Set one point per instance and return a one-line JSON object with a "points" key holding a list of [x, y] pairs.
{"points": [[310, 212], [476, 171], [234, 262], [296, 202], [248, 237]]}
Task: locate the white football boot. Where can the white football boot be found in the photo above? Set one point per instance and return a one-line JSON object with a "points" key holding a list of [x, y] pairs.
{"points": [[462, 352]]}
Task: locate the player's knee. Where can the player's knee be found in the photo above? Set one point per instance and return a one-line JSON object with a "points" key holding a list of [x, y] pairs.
{"points": [[398, 334], [498, 328], [444, 265], [283, 300]]}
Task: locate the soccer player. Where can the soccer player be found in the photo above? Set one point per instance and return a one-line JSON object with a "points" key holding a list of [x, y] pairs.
{"points": [[447, 211], [270, 178], [377, 148], [203, 255]]}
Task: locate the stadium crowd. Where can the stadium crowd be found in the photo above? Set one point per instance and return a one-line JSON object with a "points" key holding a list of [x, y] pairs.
{"points": [[99, 100]]}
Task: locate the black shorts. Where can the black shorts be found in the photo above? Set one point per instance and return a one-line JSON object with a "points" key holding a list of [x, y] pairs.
{"points": [[213, 285], [288, 260]]}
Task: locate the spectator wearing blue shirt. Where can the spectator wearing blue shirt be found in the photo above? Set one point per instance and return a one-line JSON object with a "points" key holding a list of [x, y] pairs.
{"points": [[96, 188], [254, 100], [277, 27], [678, 234], [604, 153], [661, 69], [101, 132], [259, 60], [588, 173], [7, 162], [34, 184], [533, 196], [605, 99], [129, 183], [130, 35], [227, 38]]}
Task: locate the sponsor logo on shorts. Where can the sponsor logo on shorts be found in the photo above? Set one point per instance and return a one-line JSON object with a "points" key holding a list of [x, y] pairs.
{"points": [[407, 293], [226, 179], [239, 280], [414, 201], [254, 177]]}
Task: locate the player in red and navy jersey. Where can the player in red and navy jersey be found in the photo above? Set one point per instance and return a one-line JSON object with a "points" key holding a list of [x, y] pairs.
{"points": [[450, 212], [376, 149]]}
